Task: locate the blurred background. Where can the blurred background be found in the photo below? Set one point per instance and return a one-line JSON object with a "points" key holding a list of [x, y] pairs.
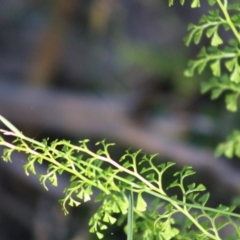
{"points": [[96, 69]]}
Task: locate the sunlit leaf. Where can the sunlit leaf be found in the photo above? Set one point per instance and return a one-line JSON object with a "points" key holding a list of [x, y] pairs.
{"points": [[230, 64], [216, 40], [99, 235], [216, 69], [231, 101], [200, 187], [53, 180], [235, 76], [141, 204], [195, 3]]}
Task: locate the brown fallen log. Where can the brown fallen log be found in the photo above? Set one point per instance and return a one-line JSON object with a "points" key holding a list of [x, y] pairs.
{"points": [[92, 116]]}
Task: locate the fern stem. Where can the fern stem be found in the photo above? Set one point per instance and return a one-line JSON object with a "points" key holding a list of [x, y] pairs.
{"points": [[228, 19]]}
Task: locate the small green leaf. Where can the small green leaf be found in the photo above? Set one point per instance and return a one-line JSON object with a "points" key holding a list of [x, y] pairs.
{"points": [[189, 72], [202, 52], [220, 149], [210, 31], [141, 204], [174, 184], [170, 3], [201, 66], [214, 13], [211, 2], [86, 197], [109, 219], [230, 64], [216, 93], [216, 69], [103, 227], [99, 235], [151, 177], [123, 205], [222, 208], [191, 26], [53, 180], [191, 186], [144, 169], [60, 171], [80, 194], [235, 76], [73, 203], [7, 157], [30, 167], [197, 36], [204, 198], [112, 220], [182, 2], [231, 102], [192, 196], [216, 40], [127, 164], [187, 40], [195, 3], [229, 149], [203, 19], [188, 171], [205, 87]]}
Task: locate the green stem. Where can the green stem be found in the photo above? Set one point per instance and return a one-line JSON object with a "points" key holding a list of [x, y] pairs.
{"points": [[228, 19]]}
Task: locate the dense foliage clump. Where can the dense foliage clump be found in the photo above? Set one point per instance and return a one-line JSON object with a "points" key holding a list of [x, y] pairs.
{"points": [[133, 185]]}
